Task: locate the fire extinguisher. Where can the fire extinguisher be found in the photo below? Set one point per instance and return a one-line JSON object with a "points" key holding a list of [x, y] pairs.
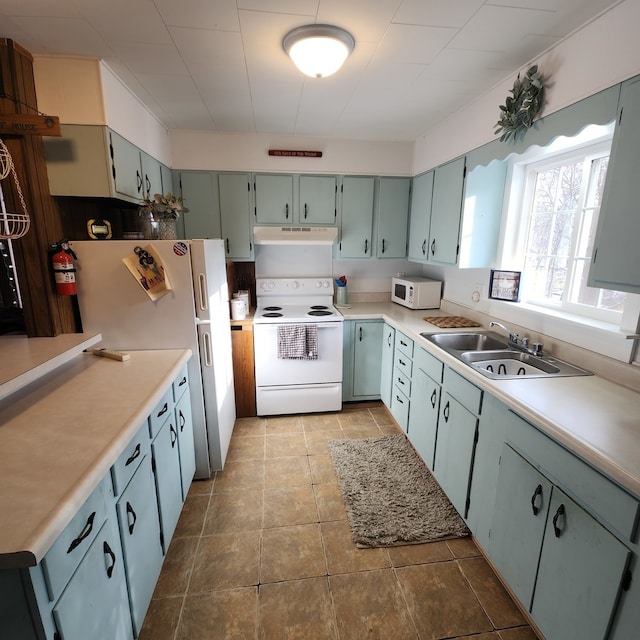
{"points": [[63, 268]]}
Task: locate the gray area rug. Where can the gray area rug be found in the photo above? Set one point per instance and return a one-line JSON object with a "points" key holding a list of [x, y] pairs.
{"points": [[390, 495]]}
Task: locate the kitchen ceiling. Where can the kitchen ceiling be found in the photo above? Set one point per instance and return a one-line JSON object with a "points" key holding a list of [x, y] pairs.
{"points": [[218, 65]]}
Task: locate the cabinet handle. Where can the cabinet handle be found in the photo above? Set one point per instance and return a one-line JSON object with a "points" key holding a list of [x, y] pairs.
{"points": [[434, 395], [403, 343], [162, 411], [400, 380], [445, 412], [86, 530], [227, 245], [286, 211], [306, 210], [366, 246], [133, 456], [424, 247], [382, 245], [536, 493], [360, 335], [182, 420], [131, 517], [147, 184], [398, 399], [139, 181], [433, 247], [389, 339], [183, 381], [174, 435], [402, 362], [106, 549], [559, 512]]}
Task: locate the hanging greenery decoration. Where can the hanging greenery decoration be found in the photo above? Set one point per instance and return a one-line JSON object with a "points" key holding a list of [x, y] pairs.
{"points": [[519, 110]]}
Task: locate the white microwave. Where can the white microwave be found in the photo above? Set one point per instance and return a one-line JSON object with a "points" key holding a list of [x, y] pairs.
{"points": [[416, 292]]}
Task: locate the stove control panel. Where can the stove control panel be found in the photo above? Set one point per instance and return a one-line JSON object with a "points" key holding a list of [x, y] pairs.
{"points": [[294, 286]]}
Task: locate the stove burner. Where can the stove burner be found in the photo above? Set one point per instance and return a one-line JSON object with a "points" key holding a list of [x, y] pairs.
{"points": [[273, 309], [319, 306], [272, 314], [320, 312]]}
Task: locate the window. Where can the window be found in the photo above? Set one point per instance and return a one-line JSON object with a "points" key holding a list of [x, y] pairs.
{"points": [[561, 203]]}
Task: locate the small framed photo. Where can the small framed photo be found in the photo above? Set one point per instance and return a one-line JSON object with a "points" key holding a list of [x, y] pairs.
{"points": [[505, 285]]}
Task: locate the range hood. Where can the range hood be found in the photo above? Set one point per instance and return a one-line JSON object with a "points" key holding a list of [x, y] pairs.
{"points": [[295, 235]]}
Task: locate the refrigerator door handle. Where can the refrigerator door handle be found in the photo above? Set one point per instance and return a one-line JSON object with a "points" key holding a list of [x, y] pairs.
{"points": [[206, 348], [203, 300]]}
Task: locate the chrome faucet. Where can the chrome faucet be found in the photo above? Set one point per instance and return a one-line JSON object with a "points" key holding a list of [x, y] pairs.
{"points": [[519, 343]]}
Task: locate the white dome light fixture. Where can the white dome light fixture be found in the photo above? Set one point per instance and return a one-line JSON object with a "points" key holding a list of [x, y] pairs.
{"points": [[318, 50]]}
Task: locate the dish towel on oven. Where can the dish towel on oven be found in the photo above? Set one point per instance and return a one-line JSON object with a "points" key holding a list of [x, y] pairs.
{"points": [[297, 342]]}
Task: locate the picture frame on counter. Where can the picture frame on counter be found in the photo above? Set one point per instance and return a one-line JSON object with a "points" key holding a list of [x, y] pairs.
{"points": [[505, 285]]}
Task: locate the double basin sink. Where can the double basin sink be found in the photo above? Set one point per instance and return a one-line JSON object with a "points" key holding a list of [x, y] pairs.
{"points": [[492, 356]]}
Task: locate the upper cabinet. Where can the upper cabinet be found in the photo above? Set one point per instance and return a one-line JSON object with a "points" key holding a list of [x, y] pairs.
{"points": [[273, 198], [356, 217], [199, 191], [420, 217], [392, 212], [94, 161], [317, 200], [235, 214], [616, 260]]}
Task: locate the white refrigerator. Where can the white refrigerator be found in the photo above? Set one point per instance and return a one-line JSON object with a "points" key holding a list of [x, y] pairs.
{"points": [[193, 314]]}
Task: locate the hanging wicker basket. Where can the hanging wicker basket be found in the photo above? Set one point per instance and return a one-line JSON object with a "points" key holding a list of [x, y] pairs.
{"points": [[12, 225]]}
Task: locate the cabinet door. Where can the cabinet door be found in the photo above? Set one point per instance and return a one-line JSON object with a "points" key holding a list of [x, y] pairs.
{"points": [[186, 445], [386, 363], [580, 573], [235, 214], [200, 196], [274, 199], [140, 533], [166, 180], [519, 517], [366, 359], [393, 216], [151, 176], [616, 259], [166, 468], [356, 217], [420, 217], [317, 200], [95, 603], [127, 172], [446, 210], [454, 450], [423, 415]]}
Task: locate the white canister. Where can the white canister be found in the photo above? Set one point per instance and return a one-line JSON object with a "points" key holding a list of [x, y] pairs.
{"points": [[238, 309], [243, 295]]}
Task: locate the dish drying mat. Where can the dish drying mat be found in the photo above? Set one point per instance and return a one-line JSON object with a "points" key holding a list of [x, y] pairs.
{"points": [[451, 322]]}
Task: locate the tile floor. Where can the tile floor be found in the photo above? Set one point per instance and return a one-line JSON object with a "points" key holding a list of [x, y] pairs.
{"points": [[263, 552]]}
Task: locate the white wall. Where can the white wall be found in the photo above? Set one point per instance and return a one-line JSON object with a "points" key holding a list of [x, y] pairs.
{"points": [[598, 55]]}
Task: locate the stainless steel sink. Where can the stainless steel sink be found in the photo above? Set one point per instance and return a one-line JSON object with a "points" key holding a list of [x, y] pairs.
{"points": [[480, 341], [490, 355]]}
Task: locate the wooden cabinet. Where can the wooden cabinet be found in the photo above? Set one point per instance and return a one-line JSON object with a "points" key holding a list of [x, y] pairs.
{"points": [[616, 260], [244, 377], [361, 360], [426, 390], [420, 217], [235, 215], [199, 191], [386, 363], [543, 543], [356, 217], [391, 213]]}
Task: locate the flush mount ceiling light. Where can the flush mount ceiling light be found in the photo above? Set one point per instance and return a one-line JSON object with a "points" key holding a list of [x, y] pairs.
{"points": [[318, 50]]}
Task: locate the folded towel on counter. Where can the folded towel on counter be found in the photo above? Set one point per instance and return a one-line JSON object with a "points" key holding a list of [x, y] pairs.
{"points": [[297, 342]]}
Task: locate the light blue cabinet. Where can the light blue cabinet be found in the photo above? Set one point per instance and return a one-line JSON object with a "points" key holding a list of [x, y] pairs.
{"points": [[273, 198], [361, 360], [356, 217], [391, 213], [420, 217], [317, 200], [151, 176], [199, 190], [235, 215], [386, 363], [186, 445], [402, 375], [616, 259], [127, 171]]}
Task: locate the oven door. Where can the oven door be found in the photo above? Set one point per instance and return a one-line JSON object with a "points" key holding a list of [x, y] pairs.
{"points": [[273, 371]]}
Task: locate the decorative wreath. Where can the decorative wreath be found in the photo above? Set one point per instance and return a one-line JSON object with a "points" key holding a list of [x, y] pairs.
{"points": [[519, 111]]}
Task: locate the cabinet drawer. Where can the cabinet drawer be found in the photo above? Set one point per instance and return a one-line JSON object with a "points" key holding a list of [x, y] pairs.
{"points": [[402, 383], [129, 460], [71, 545], [461, 389], [161, 412], [400, 408], [429, 364], [599, 495], [404, 344], [180, 384], [402, 363]]}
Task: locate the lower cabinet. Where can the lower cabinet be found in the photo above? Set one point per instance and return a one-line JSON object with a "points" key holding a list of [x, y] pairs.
{"points": [[561, 563], [386, 363], [361, 360], [402, 374], [186, 445]]}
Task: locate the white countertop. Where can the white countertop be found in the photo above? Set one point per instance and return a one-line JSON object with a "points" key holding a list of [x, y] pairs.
{"points": [[596, 419], [60, 435]]}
